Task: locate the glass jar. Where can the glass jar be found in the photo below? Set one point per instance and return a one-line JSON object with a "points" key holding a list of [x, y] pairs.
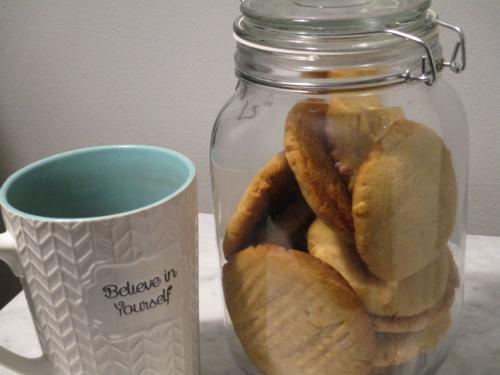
{"points": [[339, 170]]}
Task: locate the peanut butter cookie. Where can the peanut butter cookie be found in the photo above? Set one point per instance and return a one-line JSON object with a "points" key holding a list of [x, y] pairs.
{"points": [[295, 315], [272, 197], [404, 201], [427, 318], [354, 102], [351, 134], [320, 183], [404, 298], [287, 229], [396, 348]]}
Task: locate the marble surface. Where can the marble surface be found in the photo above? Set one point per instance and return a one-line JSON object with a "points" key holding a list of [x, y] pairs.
{"points": [[477, 351]]}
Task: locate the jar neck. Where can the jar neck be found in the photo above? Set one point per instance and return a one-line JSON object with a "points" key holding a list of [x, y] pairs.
{"points": [[335, 62]]}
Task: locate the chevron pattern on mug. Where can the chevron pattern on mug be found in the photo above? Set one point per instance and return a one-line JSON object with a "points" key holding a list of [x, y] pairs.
{"points": [[112, 293]]}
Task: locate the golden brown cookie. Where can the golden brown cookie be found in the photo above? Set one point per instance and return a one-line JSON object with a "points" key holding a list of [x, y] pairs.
{"points": [[404, 201], [295, 315], [354, 102], [288, 228], [407, 297], [354, 72], [269, 194], [320, 183], [428, 317], [343, 73], [396, 348], [418, 322], [351, 134]]}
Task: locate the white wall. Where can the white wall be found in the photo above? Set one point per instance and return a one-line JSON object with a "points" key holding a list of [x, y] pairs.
{"points": [[79, 73]]}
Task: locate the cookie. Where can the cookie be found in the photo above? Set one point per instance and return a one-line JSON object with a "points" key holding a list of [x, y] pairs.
{"points": [[288, 228], [425, 319], [295, 315], [407, 297], [269, 193], [342, 73], [321, 185], [351, 134], [404, 201], [396, 348], [352, 103], [418, 322], [354, 72]]}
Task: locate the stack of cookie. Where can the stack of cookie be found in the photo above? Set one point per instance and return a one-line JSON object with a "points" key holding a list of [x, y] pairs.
{"points": [[337, 253]]}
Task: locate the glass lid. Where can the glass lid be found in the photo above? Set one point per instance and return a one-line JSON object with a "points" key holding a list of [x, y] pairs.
{"points": [[317, 12], [284, 41]]}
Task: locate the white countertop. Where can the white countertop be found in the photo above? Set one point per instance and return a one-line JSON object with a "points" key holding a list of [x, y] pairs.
{"points": [[477, 351]]}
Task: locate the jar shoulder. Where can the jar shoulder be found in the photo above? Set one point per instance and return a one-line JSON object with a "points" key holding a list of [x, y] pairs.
{"points": [[252, 122]]}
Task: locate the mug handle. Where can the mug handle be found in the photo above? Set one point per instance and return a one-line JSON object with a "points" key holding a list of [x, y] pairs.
{"points": [[11, 360]]}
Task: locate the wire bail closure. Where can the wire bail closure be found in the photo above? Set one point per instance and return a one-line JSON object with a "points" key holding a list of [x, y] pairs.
{"points": [[431, 66], [455, 66]]}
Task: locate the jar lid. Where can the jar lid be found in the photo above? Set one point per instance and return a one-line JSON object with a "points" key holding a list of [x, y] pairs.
{"points": [[398, 37], [350, 13], [315, 25]]}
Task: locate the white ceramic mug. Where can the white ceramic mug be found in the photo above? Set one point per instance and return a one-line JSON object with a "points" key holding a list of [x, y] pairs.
{"points": [[104, 240]]}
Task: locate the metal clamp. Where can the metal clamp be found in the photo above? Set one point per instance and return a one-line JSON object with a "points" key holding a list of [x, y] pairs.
{"points": [[430, 66], [429, 77], [453, 64], [429, 74]]}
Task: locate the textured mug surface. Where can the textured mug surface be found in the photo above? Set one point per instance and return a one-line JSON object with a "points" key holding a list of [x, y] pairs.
{"points": [[108, 258]]}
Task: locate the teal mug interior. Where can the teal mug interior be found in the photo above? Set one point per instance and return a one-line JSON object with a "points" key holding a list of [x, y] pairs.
{"points": [[96, 182]]}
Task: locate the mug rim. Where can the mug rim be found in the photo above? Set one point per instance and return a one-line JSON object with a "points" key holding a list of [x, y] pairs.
{"points": [[30, 167]]}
